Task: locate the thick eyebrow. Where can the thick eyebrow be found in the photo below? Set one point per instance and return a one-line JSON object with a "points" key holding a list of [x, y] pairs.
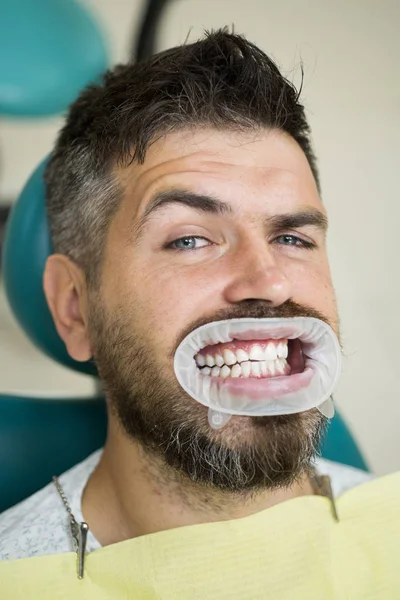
{"points": [[200, 202], [301, 218], [208, 204]]}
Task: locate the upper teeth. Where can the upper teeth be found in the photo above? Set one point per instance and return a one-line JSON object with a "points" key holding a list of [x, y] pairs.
{"points": [[228, 357]]}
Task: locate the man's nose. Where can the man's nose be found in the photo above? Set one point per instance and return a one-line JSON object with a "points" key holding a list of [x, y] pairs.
{"points": [[256, 275]]}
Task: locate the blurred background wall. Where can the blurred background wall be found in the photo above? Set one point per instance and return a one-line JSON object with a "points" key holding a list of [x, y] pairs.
{"points": [[350, 51]]}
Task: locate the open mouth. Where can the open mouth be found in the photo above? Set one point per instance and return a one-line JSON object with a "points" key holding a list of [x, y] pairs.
{"points": [[252, 359], [259, 366]]}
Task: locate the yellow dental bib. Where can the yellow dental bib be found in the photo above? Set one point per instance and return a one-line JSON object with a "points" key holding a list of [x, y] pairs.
{"points": [[292, 551]]}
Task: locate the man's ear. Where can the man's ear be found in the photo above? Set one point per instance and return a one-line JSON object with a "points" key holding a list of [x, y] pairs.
{"points": [[65, 290]]}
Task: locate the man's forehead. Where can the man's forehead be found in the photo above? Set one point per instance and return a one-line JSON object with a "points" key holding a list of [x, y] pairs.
{"points": [[219, 150], [222, 162]]}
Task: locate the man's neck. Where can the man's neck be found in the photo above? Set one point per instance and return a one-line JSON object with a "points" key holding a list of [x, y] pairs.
{"points": [[132, 494]]}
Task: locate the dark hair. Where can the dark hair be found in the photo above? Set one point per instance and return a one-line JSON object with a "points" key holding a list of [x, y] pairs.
{"points": [[223, 81]]}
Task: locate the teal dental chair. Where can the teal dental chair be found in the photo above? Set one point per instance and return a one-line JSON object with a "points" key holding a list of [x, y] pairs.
{"points": [[50, 50], [41, 437]]}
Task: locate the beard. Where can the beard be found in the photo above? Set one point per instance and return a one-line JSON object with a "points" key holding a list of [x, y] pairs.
{"points": [[248, 454]]}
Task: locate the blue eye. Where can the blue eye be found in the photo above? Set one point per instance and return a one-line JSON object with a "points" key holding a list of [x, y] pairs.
{"points": [[190, 242], [294, 240]]}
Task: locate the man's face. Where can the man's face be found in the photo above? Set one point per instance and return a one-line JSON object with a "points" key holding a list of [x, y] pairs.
{"points": [[207, 230]]}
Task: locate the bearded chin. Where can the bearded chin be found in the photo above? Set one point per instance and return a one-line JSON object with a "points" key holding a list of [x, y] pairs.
{"points": [[247, 454]]}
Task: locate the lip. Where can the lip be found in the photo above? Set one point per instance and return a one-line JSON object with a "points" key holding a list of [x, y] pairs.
{"points": [[268, 388]]}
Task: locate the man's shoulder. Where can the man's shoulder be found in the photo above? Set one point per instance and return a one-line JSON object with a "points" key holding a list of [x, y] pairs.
{"points": [[39, 525], [343, 477], [33, 527]]}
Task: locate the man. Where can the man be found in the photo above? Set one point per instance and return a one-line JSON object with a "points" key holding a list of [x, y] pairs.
{"points": [[182, 191]]}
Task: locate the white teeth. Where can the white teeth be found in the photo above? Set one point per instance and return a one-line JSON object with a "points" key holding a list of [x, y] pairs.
{"points": [[282, 350], [270, 352], [229, 357], [255, 369], [280, 366], [246, 369], [236, 371], [256, 352], [219, 361], [271, 367], [264, 368], [241, 356], [200, 360], [225, 371], [210, 362]]}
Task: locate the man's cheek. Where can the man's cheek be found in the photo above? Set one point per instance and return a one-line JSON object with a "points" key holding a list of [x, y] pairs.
{"points": [[313, 284]]}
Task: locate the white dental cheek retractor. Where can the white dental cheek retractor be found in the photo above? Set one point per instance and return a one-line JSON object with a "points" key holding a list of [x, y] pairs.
{"points": [[260, 367]]}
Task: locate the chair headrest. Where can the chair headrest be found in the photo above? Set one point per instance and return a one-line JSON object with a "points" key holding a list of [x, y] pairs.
{"points": [[50, 50], [27, 245]]}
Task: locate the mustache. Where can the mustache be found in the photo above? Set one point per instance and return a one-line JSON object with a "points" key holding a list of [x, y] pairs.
{"points": [[255, 309]]}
